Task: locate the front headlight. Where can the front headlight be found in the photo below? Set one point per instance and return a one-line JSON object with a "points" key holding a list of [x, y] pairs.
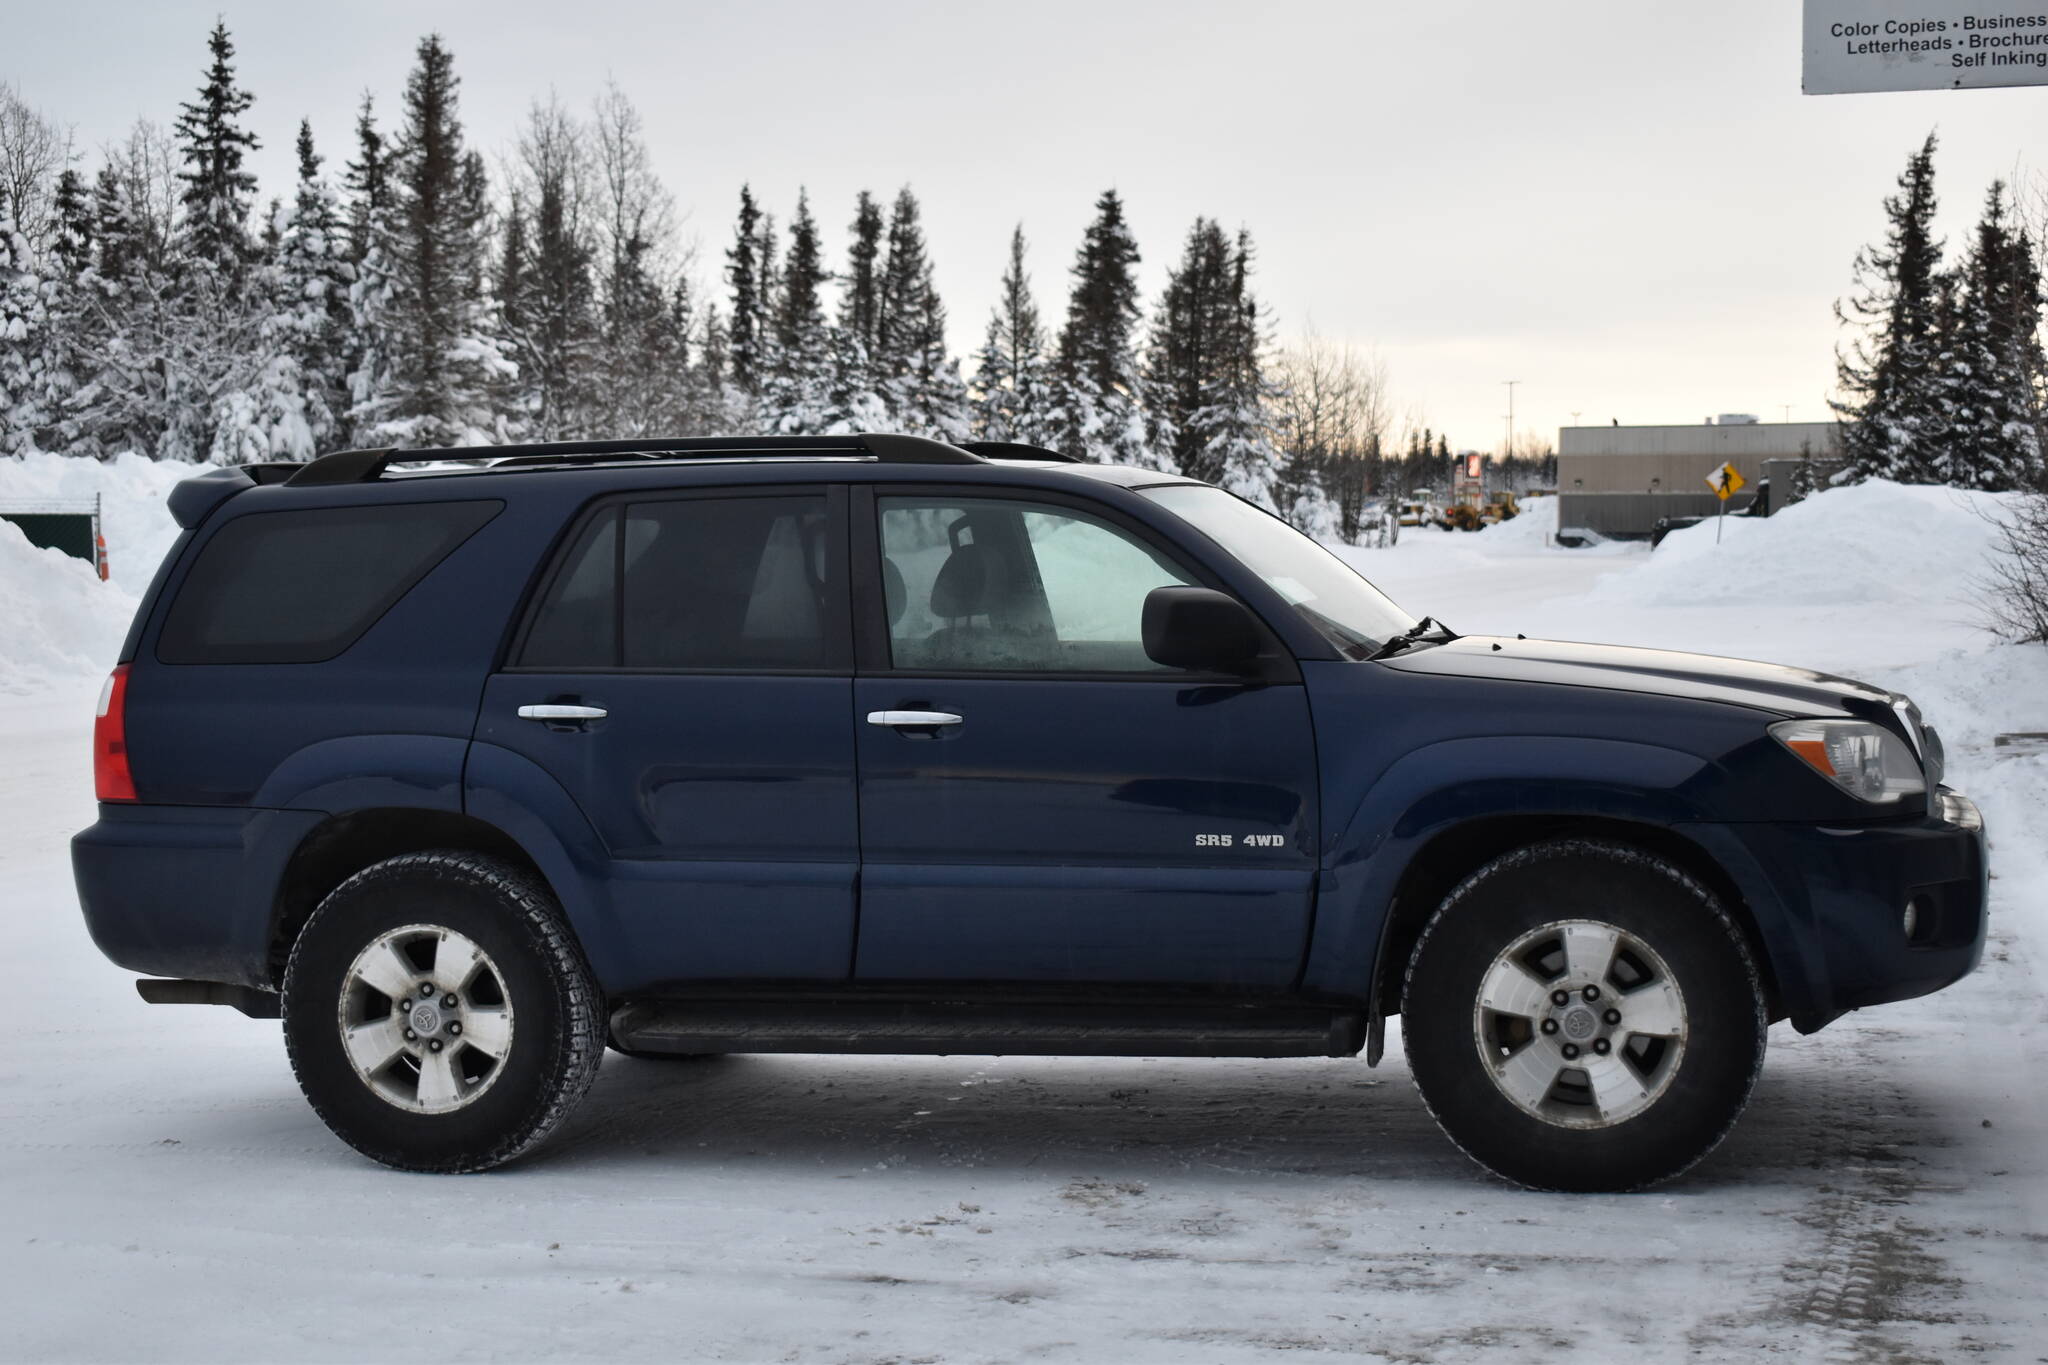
{"points": [[1867, 761]]}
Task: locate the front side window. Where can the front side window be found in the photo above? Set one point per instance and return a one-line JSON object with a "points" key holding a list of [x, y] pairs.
{"points": [[725, 584], [1002, 585]]}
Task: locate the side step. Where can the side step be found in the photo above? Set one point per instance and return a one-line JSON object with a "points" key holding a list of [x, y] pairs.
{"points": [[256, 1004], [974, 1029]]}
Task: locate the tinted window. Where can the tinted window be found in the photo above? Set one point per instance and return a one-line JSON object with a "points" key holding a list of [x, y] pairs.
{"points": [[979, 585], [709, 583], [299, 587]]}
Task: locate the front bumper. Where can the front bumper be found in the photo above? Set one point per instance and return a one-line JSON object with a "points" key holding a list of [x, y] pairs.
{"points": [[1831, 904]]}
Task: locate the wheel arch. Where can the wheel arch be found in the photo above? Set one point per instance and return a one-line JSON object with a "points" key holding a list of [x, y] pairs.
{"points": [[345, 843], [1450, 855]]}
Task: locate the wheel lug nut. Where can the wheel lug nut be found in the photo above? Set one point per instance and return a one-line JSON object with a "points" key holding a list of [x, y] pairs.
{"points": [[411, 1037], [449, 1001], [1591, 993], [1560, 997], [1571, 1050], [1602, 1046], [1613, 1016], [1550, 1025], [455, 1028], [426, 989], [434, 1045]]}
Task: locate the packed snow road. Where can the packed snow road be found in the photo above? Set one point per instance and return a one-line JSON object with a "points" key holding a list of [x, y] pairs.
{"points": [[166, 1195]]}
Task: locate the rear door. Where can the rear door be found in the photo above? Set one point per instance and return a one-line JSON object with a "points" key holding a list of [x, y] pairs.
{"points": [[1040, 802], [685, 674]]}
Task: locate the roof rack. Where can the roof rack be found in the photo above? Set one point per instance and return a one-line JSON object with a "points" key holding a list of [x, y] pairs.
{"points": [[366, 466], [1013, 450]]}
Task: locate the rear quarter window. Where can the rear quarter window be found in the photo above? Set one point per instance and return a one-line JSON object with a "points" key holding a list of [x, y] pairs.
{"points": [[300, 587]]}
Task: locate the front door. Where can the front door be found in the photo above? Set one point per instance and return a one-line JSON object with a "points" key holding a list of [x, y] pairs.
{"points": [[686, 677], [1039, 801]]}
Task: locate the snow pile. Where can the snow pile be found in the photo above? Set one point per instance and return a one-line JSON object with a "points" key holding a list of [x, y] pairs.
{"points": [[58, 622], [1865, 546]]}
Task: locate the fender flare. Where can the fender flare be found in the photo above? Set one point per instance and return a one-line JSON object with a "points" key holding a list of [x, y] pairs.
{"points": [[1439, 787]]}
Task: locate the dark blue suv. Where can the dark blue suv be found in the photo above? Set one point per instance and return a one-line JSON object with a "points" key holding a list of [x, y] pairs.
{"points": [[469, 764]]}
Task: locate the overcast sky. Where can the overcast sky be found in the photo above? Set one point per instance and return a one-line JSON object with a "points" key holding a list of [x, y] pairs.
{"points": [[1629, 207]]}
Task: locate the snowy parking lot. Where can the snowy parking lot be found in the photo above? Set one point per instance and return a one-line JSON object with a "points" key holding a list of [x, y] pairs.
{"points": [[165, 1194]]}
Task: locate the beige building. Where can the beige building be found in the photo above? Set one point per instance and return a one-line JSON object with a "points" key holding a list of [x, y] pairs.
{"points": [[1619, 480]]}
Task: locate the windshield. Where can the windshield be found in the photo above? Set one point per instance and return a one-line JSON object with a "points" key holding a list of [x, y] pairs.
{"points": [[1329, 594]]}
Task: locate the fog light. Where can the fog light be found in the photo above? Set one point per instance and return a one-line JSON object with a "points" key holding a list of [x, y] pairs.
{"points": [[1910, 920]]}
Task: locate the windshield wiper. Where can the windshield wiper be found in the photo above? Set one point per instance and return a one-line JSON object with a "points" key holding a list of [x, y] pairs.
{"points": [[1413, 635]]}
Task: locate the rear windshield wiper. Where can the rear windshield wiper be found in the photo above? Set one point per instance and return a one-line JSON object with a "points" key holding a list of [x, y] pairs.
{"points": [[1413, 635]]}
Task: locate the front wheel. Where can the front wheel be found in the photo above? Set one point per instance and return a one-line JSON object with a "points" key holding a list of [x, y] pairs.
{"points": [[438, 1014], [1581, 1015]]}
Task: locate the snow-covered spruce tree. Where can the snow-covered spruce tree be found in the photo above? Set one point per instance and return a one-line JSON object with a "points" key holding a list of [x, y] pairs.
{"points": [[798, 396], [546, 291], [366, 182], [1097, 411], [854, 401], [1892, 406], [1011, 376], [311, 313], [2003, 280], [1206, 374], [23, 339], [746, 332], [919, 383], [213, 143], [435, 365]]}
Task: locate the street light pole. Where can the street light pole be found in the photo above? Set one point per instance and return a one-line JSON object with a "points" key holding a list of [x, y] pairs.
{"points": [[1509, 452]]}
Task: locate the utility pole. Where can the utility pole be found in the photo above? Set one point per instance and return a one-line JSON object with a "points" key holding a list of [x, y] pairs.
{"points": [[1509, 452]]}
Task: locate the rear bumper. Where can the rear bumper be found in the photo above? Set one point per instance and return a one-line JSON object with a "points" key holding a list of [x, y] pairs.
{"points": [[186, 891], [1831, 905]]}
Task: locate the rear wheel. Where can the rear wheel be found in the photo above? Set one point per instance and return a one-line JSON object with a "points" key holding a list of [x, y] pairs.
{"points": [[1581, 1015], [438, 1015]]}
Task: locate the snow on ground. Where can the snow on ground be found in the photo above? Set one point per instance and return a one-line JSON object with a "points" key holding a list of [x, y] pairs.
{"points": [[168, 1196]]}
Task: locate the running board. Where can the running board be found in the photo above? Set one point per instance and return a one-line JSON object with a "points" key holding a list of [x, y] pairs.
{"points": [[256, 1004], [950, 1028]]}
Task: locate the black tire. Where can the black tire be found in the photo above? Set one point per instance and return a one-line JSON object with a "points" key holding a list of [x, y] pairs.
{"points": [[556, 1042], [1657, 904]]}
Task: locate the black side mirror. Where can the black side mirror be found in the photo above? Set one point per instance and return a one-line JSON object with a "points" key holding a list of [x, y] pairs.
{"points": [[1199, 629]]}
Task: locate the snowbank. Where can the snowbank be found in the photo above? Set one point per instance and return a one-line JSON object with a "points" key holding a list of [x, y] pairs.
{"points": [[58, 622], [1866, 545]]}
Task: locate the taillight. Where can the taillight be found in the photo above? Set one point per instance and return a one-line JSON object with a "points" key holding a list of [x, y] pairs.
{"points": [[110, 773]]}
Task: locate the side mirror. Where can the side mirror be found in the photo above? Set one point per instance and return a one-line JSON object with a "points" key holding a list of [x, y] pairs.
{"points": [[1199, 629]]}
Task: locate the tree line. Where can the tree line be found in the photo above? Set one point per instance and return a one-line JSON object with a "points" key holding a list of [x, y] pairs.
{"points": [[412, 300]]}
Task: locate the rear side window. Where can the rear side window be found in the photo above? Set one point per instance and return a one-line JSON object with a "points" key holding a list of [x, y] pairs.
{"points": [[728, 584], [300, 587]]}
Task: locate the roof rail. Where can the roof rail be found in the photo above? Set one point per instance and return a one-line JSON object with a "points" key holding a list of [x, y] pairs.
{"points": [[365, 466], [1015, 450]]}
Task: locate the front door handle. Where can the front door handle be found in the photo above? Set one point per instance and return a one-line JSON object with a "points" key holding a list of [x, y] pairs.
{"points": [[562, 711], [912, 718]]}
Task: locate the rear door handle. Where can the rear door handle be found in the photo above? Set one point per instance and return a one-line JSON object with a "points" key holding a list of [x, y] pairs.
{"points": [[912, 718], [562, 711]]}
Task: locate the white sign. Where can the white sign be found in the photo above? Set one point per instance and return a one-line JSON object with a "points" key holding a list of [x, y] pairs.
{"points": [[1853, 46]]}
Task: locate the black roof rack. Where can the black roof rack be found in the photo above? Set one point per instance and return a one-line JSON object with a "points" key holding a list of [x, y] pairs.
{"points": [[364, 466], [1013, 450]]}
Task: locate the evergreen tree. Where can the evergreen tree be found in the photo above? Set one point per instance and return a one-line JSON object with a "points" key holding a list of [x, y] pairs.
{"points": [[1891, 407], [747, 331], [1206, 375], [434, 364], [1010, 378], [217, 188], [860, 309], [1985, 371], [367, 180], [1099, 412], [293, 409], [799, 392]]}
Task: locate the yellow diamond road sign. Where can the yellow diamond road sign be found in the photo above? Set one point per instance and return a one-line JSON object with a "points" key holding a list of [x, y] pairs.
{"points": [[1725, 481]]}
